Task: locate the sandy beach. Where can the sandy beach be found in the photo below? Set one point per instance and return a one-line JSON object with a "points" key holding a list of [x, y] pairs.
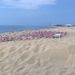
{"points": [[46, 56]]}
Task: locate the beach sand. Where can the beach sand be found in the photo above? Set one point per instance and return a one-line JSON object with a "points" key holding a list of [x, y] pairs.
{"points": [[46, 56]]}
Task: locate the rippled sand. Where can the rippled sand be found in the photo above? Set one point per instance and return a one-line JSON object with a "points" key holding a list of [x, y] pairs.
{"points": [[39, 57]]}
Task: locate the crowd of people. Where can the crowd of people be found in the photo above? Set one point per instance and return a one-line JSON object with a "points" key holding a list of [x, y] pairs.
{"points": [[29, 35]]}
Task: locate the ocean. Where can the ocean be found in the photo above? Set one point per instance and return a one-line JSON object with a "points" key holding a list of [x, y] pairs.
{"points": [[9, 28]]}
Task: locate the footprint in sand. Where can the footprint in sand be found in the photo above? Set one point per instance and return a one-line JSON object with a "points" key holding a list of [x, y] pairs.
{"points": [[37, 63], [20, 69], [26, 55], [49, 67], [12, 49], [18, 62], [23, 58], [62, 72], [41, 48], [6, 67], [3, 56], [27, 46], [13, 55], [21, 50], [36, 50], [31, 60]]}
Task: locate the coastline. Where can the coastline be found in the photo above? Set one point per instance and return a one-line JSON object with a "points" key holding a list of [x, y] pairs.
{"points": [[46, 56], [30, 35]]}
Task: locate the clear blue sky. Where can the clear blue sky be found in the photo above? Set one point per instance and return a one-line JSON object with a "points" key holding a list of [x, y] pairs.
{"points": [[37, 12]]}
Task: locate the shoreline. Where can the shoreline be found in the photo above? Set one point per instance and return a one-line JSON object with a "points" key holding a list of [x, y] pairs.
{"points": [[30, 35]]}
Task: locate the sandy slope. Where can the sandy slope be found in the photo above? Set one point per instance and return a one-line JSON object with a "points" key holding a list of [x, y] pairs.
{"points": [[39, 57]]}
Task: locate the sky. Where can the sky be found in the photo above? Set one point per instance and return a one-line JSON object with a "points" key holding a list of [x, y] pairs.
{"points": [[37, 12]]}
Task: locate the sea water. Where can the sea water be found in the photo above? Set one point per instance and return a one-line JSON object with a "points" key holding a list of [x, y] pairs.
{"points": [[9, 28]]}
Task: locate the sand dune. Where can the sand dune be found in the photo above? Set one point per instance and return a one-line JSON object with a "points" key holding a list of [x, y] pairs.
{"points": [[39, 57]]}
